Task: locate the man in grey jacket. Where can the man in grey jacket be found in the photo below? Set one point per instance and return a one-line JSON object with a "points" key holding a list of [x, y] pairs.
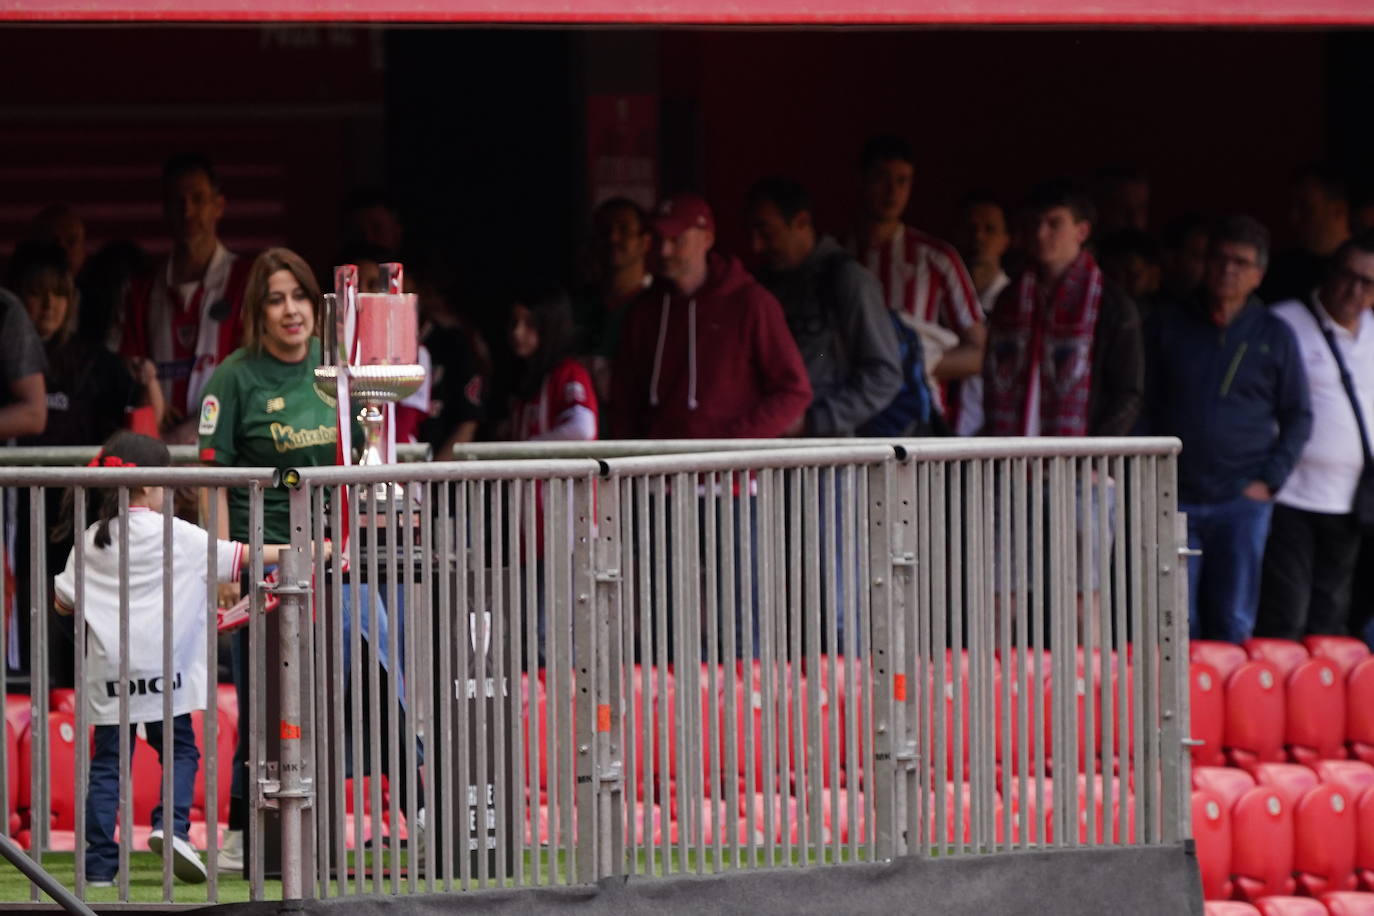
{"points": [[834, 308]]}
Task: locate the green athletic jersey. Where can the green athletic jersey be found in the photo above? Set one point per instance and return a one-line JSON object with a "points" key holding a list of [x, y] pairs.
{"points": [[258, 411]]}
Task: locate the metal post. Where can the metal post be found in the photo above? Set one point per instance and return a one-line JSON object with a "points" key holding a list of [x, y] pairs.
{"points": [[294, 792], [888, 820], [1173, 657]]}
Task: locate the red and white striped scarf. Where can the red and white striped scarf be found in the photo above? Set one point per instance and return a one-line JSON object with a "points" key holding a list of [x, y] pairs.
{"points": [[1050, 338]]}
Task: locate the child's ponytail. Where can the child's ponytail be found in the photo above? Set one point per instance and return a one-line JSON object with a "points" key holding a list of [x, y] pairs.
{"points": [[122, 450]]}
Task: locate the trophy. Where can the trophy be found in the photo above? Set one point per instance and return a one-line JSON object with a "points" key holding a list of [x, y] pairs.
{"points": [[370, 354]]}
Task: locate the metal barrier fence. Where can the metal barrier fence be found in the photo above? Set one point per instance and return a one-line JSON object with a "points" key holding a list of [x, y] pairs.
{"points": [[533, 672], [46, 768]]}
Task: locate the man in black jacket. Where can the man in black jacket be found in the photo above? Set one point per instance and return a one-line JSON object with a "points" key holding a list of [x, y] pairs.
{"points": [[833, 306], [1226, 377]]}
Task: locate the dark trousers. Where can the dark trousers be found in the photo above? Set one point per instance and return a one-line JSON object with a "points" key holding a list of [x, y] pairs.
{"points": [[1309, 567], [1223, 583], [102, 798]]}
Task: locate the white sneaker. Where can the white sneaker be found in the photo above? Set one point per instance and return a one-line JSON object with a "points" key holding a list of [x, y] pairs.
{"points": [[101, 882], [186, 863], [230, 854]]}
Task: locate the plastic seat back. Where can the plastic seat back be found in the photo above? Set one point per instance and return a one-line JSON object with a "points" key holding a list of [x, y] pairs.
{"points": [[1283, 654], [1324, 841], [1290, 906], [1364, 840], [1345, 651], [1262, 844], [1315, 711], [1212, 837], [1355, 776], [1225, 657], [1292, 779], [1227, 783], [1255, 711], [1359, 710], [1348, 903], [1207, 714]]}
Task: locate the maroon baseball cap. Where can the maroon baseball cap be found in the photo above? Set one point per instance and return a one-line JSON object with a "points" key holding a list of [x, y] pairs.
{"points": [[676, 214]]}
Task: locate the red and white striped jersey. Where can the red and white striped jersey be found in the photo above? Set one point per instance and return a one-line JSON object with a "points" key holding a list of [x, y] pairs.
{"points": [[925, 278]]}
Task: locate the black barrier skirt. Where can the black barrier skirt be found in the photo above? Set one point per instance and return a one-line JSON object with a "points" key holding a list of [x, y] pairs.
{"points": [[1135, 880]]}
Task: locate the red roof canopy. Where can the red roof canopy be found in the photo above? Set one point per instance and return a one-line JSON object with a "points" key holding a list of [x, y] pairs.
{"points": [[710, 12]]}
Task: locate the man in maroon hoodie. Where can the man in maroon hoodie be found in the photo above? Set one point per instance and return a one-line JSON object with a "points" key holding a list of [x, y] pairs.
{"points": [[705, 352]]}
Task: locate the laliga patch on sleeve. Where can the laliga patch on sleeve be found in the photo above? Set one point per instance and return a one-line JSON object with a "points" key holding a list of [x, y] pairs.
{"points": [[574, 393], [209, 415]]}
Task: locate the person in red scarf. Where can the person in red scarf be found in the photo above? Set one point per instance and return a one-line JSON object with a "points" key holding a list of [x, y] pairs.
{"points": [[1065, 353]]}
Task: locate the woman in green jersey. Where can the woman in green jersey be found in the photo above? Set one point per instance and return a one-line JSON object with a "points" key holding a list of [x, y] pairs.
{"points": [[261, 408]]}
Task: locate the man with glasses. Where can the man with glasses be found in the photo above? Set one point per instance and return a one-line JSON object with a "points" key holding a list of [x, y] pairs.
{"points": [[1314, 536], [1225, 375]]}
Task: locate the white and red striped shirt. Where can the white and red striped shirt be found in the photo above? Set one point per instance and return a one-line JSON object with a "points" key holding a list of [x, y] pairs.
{"points": [[925, 278]]}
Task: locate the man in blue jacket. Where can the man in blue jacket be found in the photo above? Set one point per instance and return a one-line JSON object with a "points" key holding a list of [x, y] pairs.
{"points": [[1226, 377]]}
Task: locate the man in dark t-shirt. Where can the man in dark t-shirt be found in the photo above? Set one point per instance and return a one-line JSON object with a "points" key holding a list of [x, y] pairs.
{"points": [[23, 396]]}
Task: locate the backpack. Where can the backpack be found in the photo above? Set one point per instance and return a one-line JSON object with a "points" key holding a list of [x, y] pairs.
{"points": [[911, 412]]}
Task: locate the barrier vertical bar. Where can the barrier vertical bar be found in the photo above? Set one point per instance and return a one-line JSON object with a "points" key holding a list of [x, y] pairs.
{"points": [[1002, 561], [1144, 657], [716, 662], [888, 820], [83, 749], [126, 803], [520, 678], [338, 698], [1149, 673], [318, 825], [1086, 596], [939, 614], [610, 764], [589, 642], [168, 727], [1173, 678], [853, 644], [903, 652], [447, 693], [409, 619], [355, 683], [1123, 686], [1027, 679], [294, 793], [431, 568], [476, 635], [922, 687]]}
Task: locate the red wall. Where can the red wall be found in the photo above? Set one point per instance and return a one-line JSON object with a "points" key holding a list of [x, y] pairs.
{"points": [[1218, 120]]}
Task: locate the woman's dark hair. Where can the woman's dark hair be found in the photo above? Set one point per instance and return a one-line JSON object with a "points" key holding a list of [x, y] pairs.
{"points": [[551, 312], [39, 267], [123, 449]]}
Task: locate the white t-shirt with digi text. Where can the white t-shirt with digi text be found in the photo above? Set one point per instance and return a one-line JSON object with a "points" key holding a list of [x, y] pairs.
{"points": [[100, 605]]}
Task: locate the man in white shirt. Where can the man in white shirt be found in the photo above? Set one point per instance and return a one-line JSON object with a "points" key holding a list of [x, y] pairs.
{"points": [[1314, 537]]}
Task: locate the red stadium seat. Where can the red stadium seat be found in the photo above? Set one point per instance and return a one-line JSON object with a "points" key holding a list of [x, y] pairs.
{"points": [[1348, 903], [1324, 841], [1316, 712], [62, 699], [1254, 730], [1262, 844], [1364, 840], [1212, 836], [1345, 651], [1255, 709], [1207, 712], [1228, 783], [1226, 657], [1228, 908], [1314, 695], [61, 769], [1292, 779], [1290, 906], [1284, 654], [1355, 776], [1359, 709]]}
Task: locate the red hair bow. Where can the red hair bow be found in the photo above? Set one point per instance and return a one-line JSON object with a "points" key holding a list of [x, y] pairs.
{"points": [[109, 461]]}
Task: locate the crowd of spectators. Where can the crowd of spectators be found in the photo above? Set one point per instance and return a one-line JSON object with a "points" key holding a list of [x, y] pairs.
{"points": [[1060, 314]]}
